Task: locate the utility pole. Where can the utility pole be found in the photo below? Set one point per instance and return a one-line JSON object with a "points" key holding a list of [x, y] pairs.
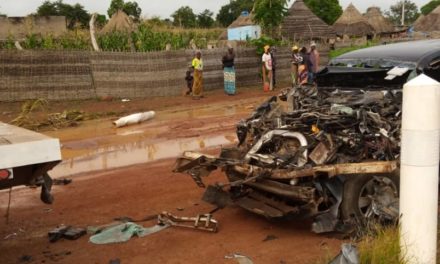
{"points": [[403, 12]]}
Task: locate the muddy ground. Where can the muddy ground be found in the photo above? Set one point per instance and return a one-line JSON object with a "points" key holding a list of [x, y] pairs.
{"points": [[127, 172]]}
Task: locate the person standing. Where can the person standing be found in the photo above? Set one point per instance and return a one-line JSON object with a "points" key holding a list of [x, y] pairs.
{"points": [[197, 63], [229, 71], [267, 67], [297, 59], [315, 59], [189, 79], [274, 64], [304, 67]]}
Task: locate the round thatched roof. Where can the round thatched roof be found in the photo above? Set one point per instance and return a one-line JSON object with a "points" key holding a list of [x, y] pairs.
{"points": [[379, 23], [119, 22], [352, 23], [430, 22], [302, 23]]}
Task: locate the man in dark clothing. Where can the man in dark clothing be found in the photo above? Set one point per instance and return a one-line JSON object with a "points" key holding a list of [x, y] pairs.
{"points": [[274, 65]]}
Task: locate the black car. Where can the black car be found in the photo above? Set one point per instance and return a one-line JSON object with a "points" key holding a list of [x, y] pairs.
{"points": [[370, 67]]}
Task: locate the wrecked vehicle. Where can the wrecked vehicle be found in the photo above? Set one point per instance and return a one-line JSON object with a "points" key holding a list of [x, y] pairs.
{"points": [[389, 66], [332, 158]]}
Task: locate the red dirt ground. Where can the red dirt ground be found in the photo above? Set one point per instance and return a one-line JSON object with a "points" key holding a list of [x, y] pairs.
{"points": [[144, 189]]}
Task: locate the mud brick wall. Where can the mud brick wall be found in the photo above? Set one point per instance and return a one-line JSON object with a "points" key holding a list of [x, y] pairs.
{"points": [[64, 75]]}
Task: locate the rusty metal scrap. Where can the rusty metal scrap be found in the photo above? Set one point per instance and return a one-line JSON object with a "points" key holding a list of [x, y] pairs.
{"points": [[203, 222]]}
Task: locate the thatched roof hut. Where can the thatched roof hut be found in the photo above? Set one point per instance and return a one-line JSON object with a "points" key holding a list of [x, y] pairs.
{"points": [[119, 22], [379, 23], [302, 23], [352, 23], [430, 22]]}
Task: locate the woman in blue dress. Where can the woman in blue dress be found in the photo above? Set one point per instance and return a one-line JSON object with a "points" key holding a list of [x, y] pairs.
{"points": [[229, 71]]}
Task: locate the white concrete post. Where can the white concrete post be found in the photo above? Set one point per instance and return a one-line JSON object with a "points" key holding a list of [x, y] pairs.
{"points": [[419, 170]]}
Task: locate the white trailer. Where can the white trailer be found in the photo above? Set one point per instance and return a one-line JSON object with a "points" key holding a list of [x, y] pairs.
{"points": [[26, 157]]}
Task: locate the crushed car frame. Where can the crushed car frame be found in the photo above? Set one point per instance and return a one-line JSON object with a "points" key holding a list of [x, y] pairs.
{"points": [[332, 158]]}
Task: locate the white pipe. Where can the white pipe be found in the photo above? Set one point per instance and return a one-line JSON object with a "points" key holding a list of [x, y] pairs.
{"points": [[419, 170], [134, 119]]}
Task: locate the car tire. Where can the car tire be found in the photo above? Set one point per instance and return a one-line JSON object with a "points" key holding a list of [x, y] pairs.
{"points": [[355, 195]]}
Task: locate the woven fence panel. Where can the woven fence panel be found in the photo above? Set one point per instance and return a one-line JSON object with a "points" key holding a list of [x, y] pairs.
{"points": [[63, 75], [45, 74]]}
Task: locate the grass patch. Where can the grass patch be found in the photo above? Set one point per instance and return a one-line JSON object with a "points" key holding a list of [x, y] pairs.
{"points": [[381, 246], [338, 52]]}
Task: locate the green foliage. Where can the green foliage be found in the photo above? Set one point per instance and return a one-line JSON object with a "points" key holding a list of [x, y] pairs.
{"points": [[101, 20], [328, 10], [116, 40], [263, 41], [229, 12], [381, 246], [184, 17], [205, 20], [395, 12], [270, 13], [426, 9], [8, 44], [75, 14], [130, 8], [337, 52]]}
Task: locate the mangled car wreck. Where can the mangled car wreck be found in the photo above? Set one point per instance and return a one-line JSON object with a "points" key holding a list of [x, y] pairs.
{"points": [[332, 156]]}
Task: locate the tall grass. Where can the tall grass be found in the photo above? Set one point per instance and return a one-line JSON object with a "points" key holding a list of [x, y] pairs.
{"points": [[340, 51], [381, 246]]}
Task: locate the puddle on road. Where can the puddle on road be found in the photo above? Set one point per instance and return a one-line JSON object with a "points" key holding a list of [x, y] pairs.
{"points": [[136, 153]]}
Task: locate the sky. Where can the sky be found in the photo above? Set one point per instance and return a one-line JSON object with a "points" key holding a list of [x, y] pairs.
{"points": [[164, 8]]}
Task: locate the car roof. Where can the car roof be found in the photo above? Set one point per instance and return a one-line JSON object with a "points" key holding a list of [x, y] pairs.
{"points": [[412, 52]]}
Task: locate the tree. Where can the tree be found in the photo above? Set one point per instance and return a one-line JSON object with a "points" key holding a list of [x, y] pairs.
{"points": [[130, 8], [395, 12], [74, 13], [101, 20], [426, 9], [270, 13], [205, 19], [328, 10], [184, 17], [228, 13]]}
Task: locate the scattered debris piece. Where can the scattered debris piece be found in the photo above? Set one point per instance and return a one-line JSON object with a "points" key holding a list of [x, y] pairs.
{"points": [[25, 258], [134, 119], [114, 261], [10, 236], [61, 181], [269, 238], [67, 232], [123, 232], [241, 259], [180, 208], [125, 100], [349, 255], [201, 222]]}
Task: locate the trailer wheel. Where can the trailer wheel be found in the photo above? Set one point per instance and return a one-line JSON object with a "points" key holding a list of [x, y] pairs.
{"points": [[359, 190]]}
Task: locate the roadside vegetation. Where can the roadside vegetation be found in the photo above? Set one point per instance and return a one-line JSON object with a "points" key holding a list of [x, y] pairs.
{"points": [[340, 51]]}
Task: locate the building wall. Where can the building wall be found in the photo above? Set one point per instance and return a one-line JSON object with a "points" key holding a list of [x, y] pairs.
{"points": [[19, 27], [67, 75], [243, 33]]}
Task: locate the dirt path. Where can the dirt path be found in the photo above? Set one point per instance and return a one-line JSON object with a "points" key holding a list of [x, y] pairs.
{"points": [[149, 188]]}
